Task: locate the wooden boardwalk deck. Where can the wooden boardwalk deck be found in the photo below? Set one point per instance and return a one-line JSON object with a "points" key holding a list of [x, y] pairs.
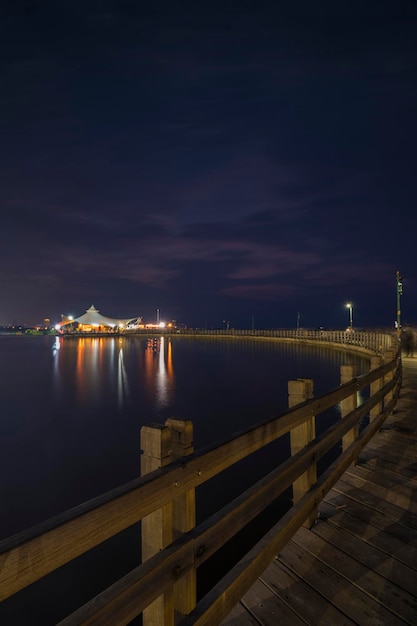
{"points": [[358, 564]]}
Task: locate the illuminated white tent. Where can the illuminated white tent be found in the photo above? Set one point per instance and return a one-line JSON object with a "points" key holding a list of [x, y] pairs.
{"points": [[93, 318]]}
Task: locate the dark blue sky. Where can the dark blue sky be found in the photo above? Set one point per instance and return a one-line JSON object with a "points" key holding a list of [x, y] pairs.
{"points": [[235, 161]]}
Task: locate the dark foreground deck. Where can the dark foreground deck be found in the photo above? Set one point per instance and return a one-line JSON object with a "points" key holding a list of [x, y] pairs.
{"points": [[358, 564]]}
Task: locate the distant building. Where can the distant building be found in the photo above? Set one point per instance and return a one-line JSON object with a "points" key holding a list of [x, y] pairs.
{"points": [[93, 321]]}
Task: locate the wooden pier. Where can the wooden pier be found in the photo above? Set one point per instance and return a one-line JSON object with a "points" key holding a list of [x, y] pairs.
{"points": [[344, 553], [358, 563]]}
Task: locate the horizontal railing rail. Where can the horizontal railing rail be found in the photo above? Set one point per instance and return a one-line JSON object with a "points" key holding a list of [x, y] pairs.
{"points": [[30, 555]]}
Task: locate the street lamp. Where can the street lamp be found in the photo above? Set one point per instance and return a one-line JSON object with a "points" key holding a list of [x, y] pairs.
{"points": [[399, 294], [350, 307]]}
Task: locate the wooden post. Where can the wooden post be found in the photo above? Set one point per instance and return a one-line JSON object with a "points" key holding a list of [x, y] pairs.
{"points": [[157, 528], [376, 361], [388, 356], [185, 589], [299, 391], [347, 373], [161, 445]]}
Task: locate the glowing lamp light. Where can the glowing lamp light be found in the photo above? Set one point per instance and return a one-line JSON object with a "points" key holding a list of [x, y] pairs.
{"points": [[350, 307]]}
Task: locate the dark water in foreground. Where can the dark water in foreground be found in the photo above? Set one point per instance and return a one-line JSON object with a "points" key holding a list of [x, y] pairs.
{"points": [[70, 423]]}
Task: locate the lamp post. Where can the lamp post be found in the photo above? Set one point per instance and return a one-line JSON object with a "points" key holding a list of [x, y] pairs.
{"points": [[350, 307], [399, 294]]}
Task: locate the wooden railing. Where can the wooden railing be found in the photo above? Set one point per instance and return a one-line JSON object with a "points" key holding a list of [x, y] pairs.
{"points": [[376, 341], [163, 586]]}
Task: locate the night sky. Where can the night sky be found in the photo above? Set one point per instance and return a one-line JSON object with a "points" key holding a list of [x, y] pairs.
{"points": [[240, 162]]}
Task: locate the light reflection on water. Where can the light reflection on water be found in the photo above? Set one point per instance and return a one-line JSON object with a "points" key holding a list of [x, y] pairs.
{"points": [[122, 381], [99, 362], [164, 375], [159, 372]]}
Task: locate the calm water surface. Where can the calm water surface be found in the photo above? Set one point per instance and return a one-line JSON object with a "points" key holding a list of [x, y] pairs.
{"points": [[70, 424]]}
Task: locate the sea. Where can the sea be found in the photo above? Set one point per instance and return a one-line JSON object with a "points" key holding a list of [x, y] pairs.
{"points": [[71, 414]]}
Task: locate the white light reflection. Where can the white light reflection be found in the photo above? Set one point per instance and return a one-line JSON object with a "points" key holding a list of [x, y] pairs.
{"points": [[122, 380], [55, 352], [162, 378]]}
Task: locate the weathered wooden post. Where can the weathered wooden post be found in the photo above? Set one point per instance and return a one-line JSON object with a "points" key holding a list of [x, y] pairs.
{"points": [[347, 373], [157, 528], [299, 391], [376, 361], [162, 444], [184, 515], [389, 356]]}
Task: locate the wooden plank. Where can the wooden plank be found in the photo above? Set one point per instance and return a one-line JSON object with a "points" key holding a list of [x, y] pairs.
{"points": [[401, 456], [398, 435], [389, 479], [301, 597], [337, 588], [403, 428], [400, 499], [370, 459], [400, 440], [371, 516], [368, 499], [240, 616], [403, 419], [387, 594], [369, 555], [269, 609], [385, 539]]}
